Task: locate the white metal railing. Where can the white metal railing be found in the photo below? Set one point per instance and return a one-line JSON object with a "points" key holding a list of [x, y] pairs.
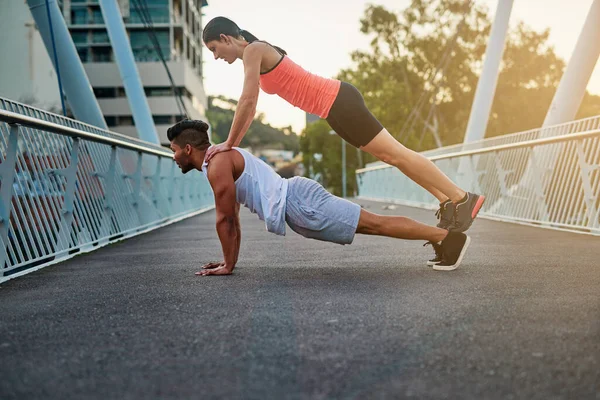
{"points": [[68, 187], [546, 177], [581, 125]]}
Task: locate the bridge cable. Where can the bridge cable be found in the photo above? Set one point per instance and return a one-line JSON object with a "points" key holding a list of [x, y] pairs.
{"points": [[142, 10]]}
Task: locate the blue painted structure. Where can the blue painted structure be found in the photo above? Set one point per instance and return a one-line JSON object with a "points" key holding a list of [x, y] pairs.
{"points": [[132, 83], [78, 90]]}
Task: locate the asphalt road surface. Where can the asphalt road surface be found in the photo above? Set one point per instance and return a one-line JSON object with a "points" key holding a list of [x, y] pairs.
{"points": [[302, 319]]}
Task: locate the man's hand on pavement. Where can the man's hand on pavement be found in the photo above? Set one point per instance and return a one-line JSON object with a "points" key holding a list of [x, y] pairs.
{"points": [[212, 265], [215, 269]]}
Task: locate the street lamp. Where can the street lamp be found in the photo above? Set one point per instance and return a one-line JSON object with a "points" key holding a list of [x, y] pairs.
{"points": [[343, 163]]}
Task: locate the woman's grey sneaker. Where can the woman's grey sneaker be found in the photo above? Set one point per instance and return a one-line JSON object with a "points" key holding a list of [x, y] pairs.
{"points": [[454, 247], [445, 214], [438, 253], [466, 211]]}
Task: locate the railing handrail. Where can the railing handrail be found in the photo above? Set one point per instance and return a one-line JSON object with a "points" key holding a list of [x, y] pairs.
{"points": [[533, 130], [502, 147], [30, 122], [80, 123], [480, 143]]}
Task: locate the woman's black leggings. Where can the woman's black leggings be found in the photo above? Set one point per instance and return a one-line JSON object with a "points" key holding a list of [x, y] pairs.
{"points": [[350, 118]]}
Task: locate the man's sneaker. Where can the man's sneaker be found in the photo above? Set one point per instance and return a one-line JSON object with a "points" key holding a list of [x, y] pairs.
{"points": [[438, 253], [445, 214], [466, 211], [454, 247]]}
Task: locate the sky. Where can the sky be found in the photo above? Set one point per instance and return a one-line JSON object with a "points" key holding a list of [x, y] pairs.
{"points": [[320, 35]]}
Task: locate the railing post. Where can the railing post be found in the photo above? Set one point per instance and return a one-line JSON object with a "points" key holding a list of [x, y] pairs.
{"points": [[182, 190], [109, 182], [502, 174], [172, 180], [167, 199], [590, 199], [159, 198], [137, 185], [466, 176], [193, 194], [538, 185], [7, 177], [473, 161], [66, 219]]}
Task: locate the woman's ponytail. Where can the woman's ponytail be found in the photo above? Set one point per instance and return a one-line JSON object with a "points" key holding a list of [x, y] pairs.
{"points": [[225, 26], [248, 36]]}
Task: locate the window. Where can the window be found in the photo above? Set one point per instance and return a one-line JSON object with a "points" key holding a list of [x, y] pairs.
{"points": [[157, 9], [102, 55], [158, 91], [79, 37], [100, 37], [162, 119], [145, 55], [158, 15], [104, 93], [110, 121], [142, 39], [79, 16], [128, 121], [83, 54], [143, 48], [97, 16], [134, 17]]}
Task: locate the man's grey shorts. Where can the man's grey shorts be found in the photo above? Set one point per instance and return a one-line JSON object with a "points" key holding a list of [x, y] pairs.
{"points": [[313, 212]]}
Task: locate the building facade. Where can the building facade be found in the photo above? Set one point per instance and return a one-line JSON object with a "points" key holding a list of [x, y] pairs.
{"points": [[27, 72], [177, 25]]}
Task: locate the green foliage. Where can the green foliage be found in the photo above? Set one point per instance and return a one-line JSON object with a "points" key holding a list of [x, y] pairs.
{"points": [[590, 106], [411, 47], [259, 136], [408, 51], [528, 80], [322, 155]]}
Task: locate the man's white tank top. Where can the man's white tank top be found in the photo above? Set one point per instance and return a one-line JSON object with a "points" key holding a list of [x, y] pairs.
{"points": [[262, 190]]}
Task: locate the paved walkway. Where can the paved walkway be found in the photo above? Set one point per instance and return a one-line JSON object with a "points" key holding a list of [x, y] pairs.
{"points": [[302, 319]]}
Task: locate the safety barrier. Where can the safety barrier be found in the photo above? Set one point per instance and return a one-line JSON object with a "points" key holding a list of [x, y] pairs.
{"points": [[68, 187], [547, 177]]}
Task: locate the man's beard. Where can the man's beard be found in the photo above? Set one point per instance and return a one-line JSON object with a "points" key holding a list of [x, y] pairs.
{"points": [[186, 168]]}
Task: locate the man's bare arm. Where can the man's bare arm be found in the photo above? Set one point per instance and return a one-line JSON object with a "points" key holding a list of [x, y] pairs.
{"points": [[239, 233], [220, 176]]}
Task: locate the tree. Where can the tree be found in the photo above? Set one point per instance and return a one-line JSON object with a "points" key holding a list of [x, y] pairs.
{"points": [[322, 154], [424, 65], [259, 136], [424, 56], [590, 106], [530, 73]]}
